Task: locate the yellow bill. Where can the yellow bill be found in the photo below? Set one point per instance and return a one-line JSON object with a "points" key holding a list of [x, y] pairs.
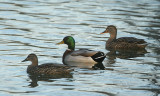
{"points": [[106, 31], [62, 42]]}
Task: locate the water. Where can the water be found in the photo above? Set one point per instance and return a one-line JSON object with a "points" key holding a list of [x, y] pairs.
{"points": [[35, 26]]}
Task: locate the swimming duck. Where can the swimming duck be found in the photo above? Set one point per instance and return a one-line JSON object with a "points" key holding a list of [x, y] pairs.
{"points": [[81, 55], [47, 68], [123, 42]]}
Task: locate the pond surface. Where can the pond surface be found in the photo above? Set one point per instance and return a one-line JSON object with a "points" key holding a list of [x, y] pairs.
{"points": [[35, 26]]}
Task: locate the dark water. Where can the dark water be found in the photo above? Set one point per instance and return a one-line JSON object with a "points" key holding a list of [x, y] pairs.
{"points": [[35, 26]]}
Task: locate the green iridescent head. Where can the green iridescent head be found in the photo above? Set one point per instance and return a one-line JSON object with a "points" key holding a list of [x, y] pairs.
{"points": [[69, 40]]}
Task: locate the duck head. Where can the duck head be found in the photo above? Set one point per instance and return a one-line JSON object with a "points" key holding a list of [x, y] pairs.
{"points": [[69, 40], [33, 58], [112, 30]]}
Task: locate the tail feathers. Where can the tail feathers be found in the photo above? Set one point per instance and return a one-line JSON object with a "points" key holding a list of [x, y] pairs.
{"points": [[142, 45], [98, 57]]}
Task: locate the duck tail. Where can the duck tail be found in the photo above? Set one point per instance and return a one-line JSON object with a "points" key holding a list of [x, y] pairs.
{"points": [[142, 45], [98, 57]]}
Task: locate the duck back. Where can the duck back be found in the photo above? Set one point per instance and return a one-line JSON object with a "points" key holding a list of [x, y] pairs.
{"points": [[127, 43], [130, 40], [49, 69]]}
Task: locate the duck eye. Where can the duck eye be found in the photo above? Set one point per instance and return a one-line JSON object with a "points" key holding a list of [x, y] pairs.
{"points": [[109, 29], [30, 57]]}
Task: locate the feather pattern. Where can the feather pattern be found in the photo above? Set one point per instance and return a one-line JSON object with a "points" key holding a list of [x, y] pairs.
{"points": [[49, 69], [127, 43], [84, 55], [130, 40]]}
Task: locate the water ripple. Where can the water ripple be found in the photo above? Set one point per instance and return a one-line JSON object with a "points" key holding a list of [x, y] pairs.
{"points": [[36, 26]]}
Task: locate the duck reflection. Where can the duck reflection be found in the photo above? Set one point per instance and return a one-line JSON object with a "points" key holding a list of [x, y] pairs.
{"points": [[98, 66], [49, 78], [86, 65], [124, 54]]}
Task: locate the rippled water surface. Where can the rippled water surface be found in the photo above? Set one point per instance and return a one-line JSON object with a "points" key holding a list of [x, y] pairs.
{"points": [[35, 26]]}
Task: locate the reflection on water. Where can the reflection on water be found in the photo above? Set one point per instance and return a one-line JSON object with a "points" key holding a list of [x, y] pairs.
{"points": [[48, 78], [98, 66], [35, 26], [124, 54]]}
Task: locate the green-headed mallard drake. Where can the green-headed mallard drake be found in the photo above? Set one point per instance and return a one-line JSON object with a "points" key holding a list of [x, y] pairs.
{"points": [[81, 55], [46, 69], [123, 42]]}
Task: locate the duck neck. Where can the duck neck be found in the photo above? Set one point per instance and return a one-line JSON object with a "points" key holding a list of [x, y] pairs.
{"points": [[112, 37], [71, 46], [34, 62], [67, 52]]}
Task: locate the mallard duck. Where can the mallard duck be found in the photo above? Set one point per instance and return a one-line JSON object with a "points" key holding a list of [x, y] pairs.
{"points": [[123, 42], [47, 68], [81, 55]]}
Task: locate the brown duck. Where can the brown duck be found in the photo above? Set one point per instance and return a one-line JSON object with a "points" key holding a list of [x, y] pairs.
{"points": [[47, 68], [124, 43]]}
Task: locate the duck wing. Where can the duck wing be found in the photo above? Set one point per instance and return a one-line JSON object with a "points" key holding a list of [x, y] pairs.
{"points": [[84, 52], [56, 67], [129, 43], [52, 65], [130, 40], [50, 69]]}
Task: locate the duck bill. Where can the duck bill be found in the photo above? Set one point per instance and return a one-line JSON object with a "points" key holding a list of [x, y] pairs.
{"points": [[62, 42], [25, 60], [106, 31]]}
